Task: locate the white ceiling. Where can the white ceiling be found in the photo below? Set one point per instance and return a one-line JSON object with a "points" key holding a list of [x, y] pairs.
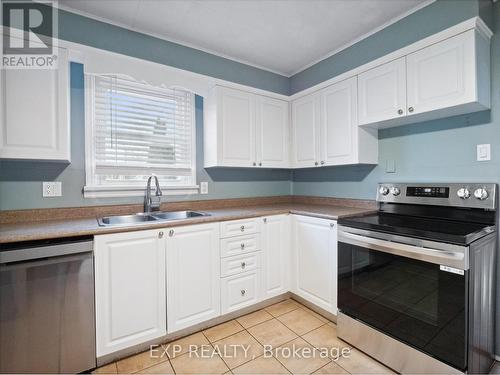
{"points": [[283, 36]]}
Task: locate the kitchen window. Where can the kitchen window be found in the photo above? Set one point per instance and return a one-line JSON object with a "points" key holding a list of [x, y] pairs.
{"points": [[133, 130]]}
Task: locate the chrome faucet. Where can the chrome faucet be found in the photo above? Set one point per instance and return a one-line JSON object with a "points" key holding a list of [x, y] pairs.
{"points": [[152, 203]]}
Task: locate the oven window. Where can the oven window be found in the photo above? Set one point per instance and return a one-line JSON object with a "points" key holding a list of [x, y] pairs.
{"points": [[410, 300]]}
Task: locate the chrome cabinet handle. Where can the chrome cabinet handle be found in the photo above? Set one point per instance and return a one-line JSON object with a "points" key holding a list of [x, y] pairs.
{"points": [[332, 225], [160, 234], [400, 111], [242, 246], [322, 162], [243, 265], [242, 228], [411, 109], [260, 164], [254, 164], [171, 232], [243, 291], [264, 220], [315, 163]]}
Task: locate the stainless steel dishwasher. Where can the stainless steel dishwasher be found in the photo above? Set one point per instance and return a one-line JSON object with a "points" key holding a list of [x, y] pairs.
{"points": [[47, 320]]}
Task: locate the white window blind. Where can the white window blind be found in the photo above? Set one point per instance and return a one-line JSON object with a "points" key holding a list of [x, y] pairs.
{"points": [[135, 130]]}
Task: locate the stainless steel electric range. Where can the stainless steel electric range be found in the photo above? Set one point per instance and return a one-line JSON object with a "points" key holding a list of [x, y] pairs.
{"points": [[416, 279]]}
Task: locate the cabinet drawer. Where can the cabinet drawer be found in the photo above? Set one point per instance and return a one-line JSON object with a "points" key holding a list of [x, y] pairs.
{"points": [[239, 245], [239, 227], [240, 291], [239, 264]]}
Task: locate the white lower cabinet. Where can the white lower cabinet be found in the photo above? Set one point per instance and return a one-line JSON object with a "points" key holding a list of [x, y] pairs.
{"points": [[129, 289], [240, 291], [193, 275], [276, 255], [314, 261]]}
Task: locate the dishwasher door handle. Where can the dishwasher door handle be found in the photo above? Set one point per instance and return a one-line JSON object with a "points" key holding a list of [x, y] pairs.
{"points": [[46, 251]]}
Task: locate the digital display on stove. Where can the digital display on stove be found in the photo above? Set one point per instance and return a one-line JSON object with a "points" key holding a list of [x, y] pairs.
{"points": [[429, 192]]}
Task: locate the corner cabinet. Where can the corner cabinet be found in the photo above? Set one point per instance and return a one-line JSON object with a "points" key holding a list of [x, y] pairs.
{"points": [[326, 132], [448, 78], [242, 129], [276, 255], [193, 275], [129, 289], [34, 113], [314, 261]]}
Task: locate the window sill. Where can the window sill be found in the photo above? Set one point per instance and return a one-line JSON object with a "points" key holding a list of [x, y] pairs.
{"points": [[124, 191]]}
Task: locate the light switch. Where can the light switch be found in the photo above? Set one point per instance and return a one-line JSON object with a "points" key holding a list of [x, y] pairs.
{"points": [[484, 152], [204, 187], [390, 166], [52, 189]]}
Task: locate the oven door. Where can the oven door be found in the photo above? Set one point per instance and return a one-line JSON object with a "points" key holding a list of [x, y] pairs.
{"points": [[410, 291]]}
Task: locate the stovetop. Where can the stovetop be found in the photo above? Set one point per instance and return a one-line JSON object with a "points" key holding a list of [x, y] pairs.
{"points": [[433, 229]]}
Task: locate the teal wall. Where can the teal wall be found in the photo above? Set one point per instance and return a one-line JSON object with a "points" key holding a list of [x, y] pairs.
{"points": [[21, 187]]}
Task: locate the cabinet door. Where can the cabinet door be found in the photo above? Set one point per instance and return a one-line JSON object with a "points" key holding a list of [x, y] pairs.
{"points": [[272, 133], [339, 124], [34, 121], [129, 289], [193, 275], [275, 255], [305, 125], [315, 261], [442, 75], [382, 92], [237, 127]]}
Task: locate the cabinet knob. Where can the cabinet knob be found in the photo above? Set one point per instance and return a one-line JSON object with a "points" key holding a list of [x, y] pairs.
{"points": [[254, 164], [264, 220], [243, 291], [242, 228], [243, 264], [322, 162], [160, 234], [411, 109], [400, 111], [171, 232], [242, 246], [315, 163], [260, 164], [332, 225]]}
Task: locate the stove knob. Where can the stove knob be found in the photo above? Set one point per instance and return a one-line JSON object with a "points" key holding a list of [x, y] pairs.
{"points": [[481, 194], [395, 191], [383, 190], [463, 193]]}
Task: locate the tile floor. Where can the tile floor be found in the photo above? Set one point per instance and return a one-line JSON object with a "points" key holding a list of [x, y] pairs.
{"points": [[238, 347]]}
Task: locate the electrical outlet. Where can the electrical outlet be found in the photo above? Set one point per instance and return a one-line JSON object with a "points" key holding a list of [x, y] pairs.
{"points": [[52, 189], [390, 166], [484, 152], [204, 187]]}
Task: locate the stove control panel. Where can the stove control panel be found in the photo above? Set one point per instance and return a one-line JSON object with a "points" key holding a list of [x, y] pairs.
{"points": [[454, 195]]}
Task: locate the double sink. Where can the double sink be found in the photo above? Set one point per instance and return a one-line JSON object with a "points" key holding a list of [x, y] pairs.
{"points": [[145, 218]]}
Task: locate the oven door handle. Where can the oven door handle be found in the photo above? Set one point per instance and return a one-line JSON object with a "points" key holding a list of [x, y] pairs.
{"points": [[455, 259]]}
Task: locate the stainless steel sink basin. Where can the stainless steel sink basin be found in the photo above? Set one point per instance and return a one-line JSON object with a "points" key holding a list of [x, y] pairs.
{"points": [[177, 215], [143, 218], [125, 219]]}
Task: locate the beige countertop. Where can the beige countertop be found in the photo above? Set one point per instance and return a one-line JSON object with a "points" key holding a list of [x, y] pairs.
{"points": [[28, 231]]}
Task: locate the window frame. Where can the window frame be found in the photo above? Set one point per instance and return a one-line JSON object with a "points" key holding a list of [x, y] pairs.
{"points": [[92, 190]]}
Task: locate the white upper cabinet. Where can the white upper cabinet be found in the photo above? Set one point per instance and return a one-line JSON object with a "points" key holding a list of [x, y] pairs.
{"points": [[243, 129], [34, 119], [129, 289], [382, 92], [447, 78], [325, 129], [193, 275], [272, 132], [305, 128], [339, 123], [445, 75]]}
